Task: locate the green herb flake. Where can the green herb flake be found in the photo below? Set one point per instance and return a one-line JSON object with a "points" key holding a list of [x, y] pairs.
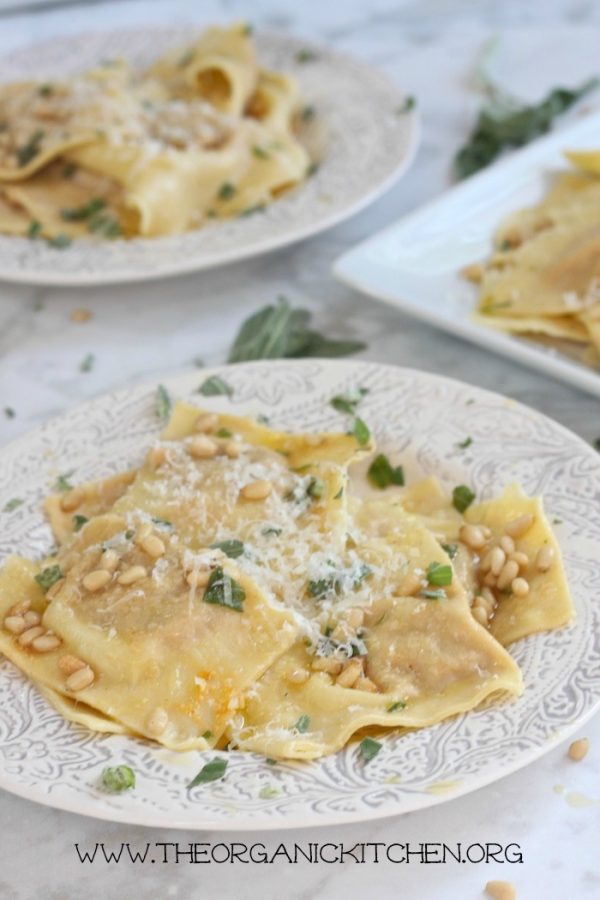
{"points": [[462, 445], [381, 473], [162, 403], [210, 771], [260, 153], [361, 431], [34, 230], [79, 521], [247, 29], [68, 170], [60, 241], [105, 225], [305, 56], [117, 779], [31, 149], [186, 58], [398, 704], [224, 433], [14, 503], [215, 386], [339, 494], [308, 113], [251, 210], [232, 548], [302, 725], [368, 749], [9, 412], [62, 483], [438, 574], [268, 791], [450, 549], [87, 363], [408, 105], [49, 576], [45, 90], [462, 497], [208, 735], [226, 191], [270, 762], [315, 488], [271, 529], [82, 213], [223, 590], [348, 402]]}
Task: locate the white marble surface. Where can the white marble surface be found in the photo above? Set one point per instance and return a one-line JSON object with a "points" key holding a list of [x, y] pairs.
{"points": [[139, 332]]}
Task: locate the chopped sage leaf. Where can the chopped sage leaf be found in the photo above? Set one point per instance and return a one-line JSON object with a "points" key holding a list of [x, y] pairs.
{"points": [[214, 386], [348, 402], [271, 529], [451, 549], [31, 149], [13, 504], [211, 771], [226, 191], [9, 412], [45, 90], [34, 230], [62, 482], [81, 213], [462, 445], [207, 735], [224, 433], [394, 707], [361, 432], [232, 548], [117, 779], [260, 152], [79, 521], [438, 574], [60, 241], [302, 725], [381, 473], [368, 749], [462, 497], [315, 488], [162, 403], [49, 576], [223, 590], [339, 494], [270, 762]]}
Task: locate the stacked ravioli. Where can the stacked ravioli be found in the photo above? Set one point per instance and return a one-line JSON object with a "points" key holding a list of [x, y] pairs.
{"points": [[238, 590], [206, 132]]}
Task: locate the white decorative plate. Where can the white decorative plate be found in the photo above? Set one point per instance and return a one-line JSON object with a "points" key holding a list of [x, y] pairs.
{"points": [[415, 264], [369, 144], [45, 759]]}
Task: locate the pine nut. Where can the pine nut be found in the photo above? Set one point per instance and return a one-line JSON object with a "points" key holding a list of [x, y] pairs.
{"points": [[81, 315], [153, 546], [521, 559], [490, 580], [518, 527], [488, 602], [488, 597], [350, 673], [72, 499], [409, 586], [501, 890], [256, 490], [544, 558], [32, 617], [96, 580], [232, 449], [20, 608], [158, 721], [497, 560], [355, 617], [207, 422], [80, 679], [26, 638], [156, 457], [298, 676], [509, 572], [46, 642], [507, 544], [55, 589], [327, 664], [486, 562], [579, 749], [487, 532], [202, 447], [132, 574], [142, 531], [69, 664], [472, 536], [519, 587], [109, 560], [15, 624], [198, 578], [365, 684], [480, 614]]}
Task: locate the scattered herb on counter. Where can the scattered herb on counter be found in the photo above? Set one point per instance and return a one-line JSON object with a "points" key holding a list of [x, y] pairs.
{"points": [[211, 771], [223, 590], [79, 521], [381, 473], [462, 497], [9, 412], [348, 402], [408, 105], [232, 548], [368, 749], [280, 332], [215, 386], [13, 504], [87, 363], [162, 403], [117, 779], [504, 121], [49, 576], [31, 149], [438, 574], [462, 445], [302, 725], [62, 483]]}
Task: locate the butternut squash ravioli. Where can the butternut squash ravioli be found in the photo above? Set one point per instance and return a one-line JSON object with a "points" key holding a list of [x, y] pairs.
{"points": [[206, 132], [240, 589]]}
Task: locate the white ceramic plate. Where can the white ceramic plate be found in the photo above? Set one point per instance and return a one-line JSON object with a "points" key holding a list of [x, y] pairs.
{"points": [[45, 759], [369, 144], [415, 264]]}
